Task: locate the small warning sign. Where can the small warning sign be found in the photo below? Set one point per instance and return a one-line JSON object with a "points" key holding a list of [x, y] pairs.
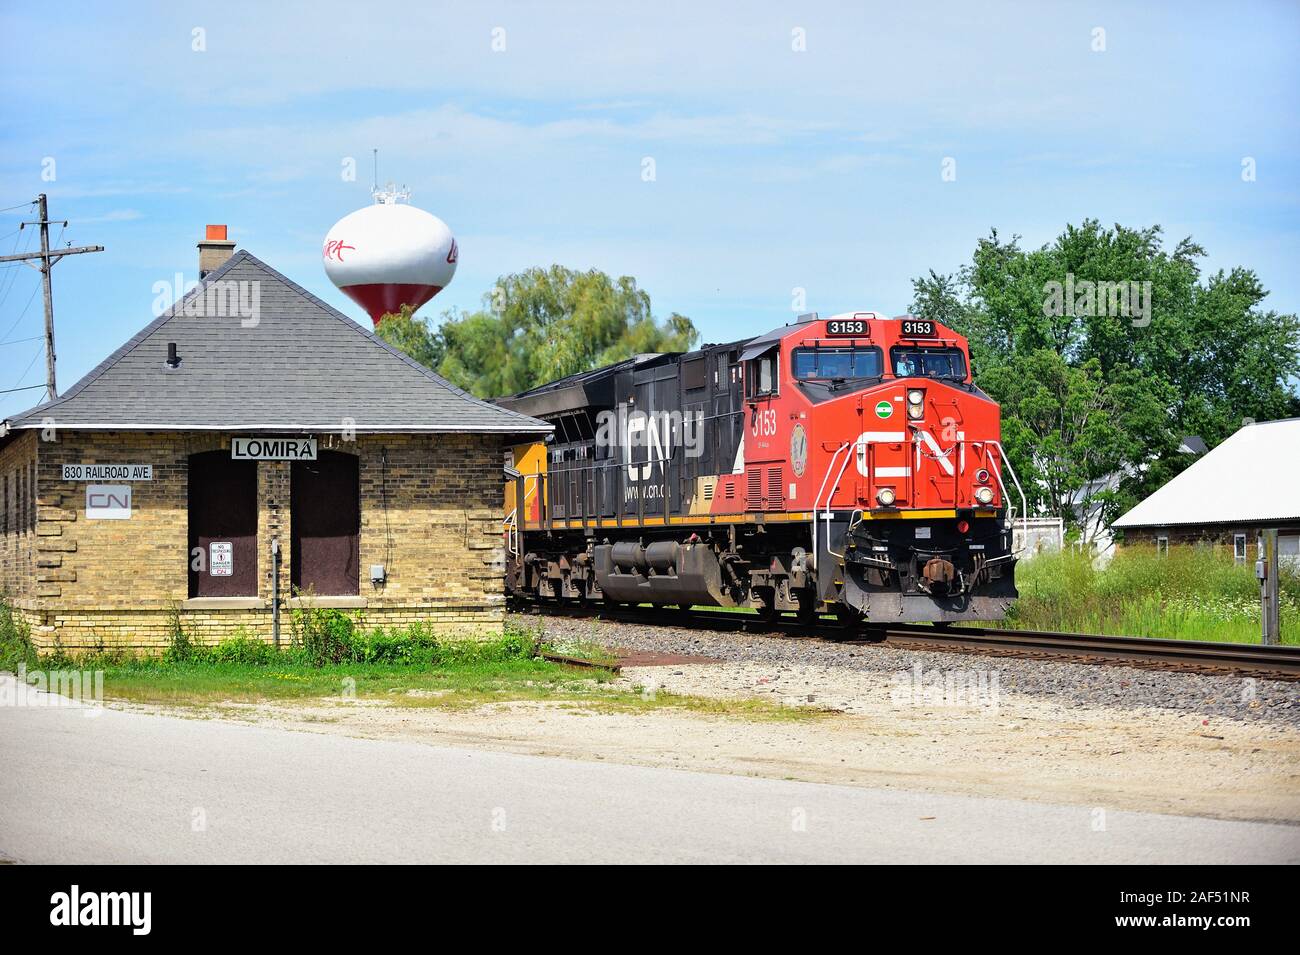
{"points": [[221, 558]]}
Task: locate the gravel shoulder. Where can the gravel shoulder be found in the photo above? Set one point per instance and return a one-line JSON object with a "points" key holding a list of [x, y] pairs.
{"points": [[1102, 737]]}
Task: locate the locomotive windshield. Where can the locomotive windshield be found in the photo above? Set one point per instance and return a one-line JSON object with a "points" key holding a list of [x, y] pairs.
{"points": [[928, 363], [827, 364]]}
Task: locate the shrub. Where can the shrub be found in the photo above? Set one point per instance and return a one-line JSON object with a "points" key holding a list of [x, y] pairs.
{"points": [[16, 646], [323, 636], [180, 648], [320, 637], [242, 648]]}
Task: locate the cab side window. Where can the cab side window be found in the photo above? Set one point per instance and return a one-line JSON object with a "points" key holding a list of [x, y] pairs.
{"points": [[760, 376]]}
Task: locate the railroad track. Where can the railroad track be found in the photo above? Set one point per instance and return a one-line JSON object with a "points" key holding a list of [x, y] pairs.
{"points": [[1243, 659]]}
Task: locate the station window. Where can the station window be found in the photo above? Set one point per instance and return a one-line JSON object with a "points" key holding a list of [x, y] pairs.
{"points": [[1239, 548], [1162, 545], [325, 525], [222, 525]]}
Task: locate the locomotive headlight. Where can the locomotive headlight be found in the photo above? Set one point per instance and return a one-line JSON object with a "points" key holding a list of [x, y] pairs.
{"points": [[885, 496], [984, 495], [916, 403]]}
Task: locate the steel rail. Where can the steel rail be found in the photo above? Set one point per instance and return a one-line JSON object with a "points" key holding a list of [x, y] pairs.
{"points": [[1271, 662]]}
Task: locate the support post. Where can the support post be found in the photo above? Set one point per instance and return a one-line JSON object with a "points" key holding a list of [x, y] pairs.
{"points": [[275, 591], [1270, 604], [51, 383]]}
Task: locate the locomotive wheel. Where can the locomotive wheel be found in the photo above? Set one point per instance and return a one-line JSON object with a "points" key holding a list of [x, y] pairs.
{"points": [[767, 611], [808, 613], [847, 617]]}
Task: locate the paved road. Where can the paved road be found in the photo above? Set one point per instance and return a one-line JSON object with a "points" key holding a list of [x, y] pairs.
{"points": [[127, 787]]}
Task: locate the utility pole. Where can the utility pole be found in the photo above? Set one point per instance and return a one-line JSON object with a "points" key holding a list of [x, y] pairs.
{"points": [[47, 259]]}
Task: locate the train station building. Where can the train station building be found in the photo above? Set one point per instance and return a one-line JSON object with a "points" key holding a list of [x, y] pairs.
{"points": [[250, 451]]}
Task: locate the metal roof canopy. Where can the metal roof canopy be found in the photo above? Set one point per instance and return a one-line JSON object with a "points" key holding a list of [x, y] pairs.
{"points": [[1251, 478], [297, 366]]}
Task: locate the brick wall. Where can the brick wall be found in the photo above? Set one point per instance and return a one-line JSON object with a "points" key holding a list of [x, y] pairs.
{"points": [[430, 512], [1216, 536]]}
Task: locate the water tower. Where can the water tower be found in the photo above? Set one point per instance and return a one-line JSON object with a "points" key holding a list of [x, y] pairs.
{"points": [[389, 254]]}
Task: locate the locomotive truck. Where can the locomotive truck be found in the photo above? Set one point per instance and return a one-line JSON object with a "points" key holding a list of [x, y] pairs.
{"points": [[845, 465]]}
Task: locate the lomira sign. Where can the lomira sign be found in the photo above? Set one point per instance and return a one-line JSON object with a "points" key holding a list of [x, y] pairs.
{"points": [[273, 449]]}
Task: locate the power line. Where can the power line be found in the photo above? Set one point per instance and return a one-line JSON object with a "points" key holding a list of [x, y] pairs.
{"points": [[5, 286], [30, 299], [24, 375], [48, 260]]}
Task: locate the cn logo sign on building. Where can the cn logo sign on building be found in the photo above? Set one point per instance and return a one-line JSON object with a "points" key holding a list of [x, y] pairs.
{"points": [[108, 502]]}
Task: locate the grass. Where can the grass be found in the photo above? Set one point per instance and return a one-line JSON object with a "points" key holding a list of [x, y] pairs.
{"points": [[1190, 593], [332, 660]]}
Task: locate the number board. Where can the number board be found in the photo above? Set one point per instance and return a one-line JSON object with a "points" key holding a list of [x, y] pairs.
{"points": [[847, 328], [918, 328]]}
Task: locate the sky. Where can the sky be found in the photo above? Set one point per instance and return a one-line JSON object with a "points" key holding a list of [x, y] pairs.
{"points": [[793, 146]]}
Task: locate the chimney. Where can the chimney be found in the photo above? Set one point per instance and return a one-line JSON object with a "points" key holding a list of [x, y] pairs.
{"points": [[214, 250]]}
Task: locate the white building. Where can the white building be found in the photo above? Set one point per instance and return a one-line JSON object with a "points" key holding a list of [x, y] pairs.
{"points": [[1248, 484]]}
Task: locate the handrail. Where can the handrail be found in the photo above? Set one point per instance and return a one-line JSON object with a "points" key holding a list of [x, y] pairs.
{"points": [[511, 524], [853, 448], [1024, 502], [838, 477], [817, 501]]}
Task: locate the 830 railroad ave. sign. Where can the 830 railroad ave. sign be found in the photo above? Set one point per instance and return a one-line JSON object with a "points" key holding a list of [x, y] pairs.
{"points": [[273, 449], [108, 472]]}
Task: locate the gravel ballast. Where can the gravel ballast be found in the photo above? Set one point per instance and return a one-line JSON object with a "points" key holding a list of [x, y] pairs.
{"points": [[1067, 683]]}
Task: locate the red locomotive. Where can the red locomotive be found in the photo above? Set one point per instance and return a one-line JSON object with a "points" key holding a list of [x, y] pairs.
{"points": [[844, 465]]}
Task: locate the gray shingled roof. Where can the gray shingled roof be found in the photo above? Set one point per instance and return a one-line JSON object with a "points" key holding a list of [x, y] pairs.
{"points": [[303, 367]]}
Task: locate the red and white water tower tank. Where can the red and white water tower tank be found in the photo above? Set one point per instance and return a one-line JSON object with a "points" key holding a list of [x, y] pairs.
{"points": [[389, 254]]}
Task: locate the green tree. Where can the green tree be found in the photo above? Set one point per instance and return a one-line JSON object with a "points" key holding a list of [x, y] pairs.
{"points": [[539, 325], [412, 335], [1075, 434], [1089, 391]]}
